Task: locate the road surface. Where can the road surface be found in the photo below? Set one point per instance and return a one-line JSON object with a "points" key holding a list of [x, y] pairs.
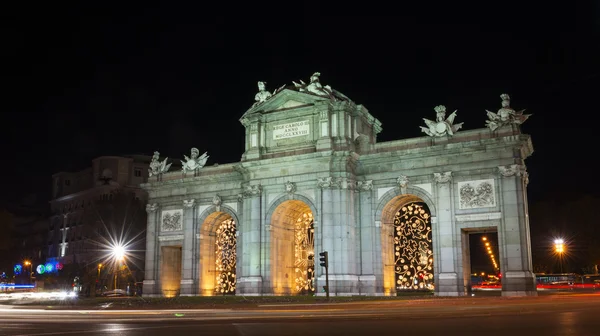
{"points": [[546, 315]]}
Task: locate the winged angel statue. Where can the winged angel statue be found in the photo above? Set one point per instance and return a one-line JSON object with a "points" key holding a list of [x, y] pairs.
{"points": [[157, 167], [441, 127], [505, 116]]}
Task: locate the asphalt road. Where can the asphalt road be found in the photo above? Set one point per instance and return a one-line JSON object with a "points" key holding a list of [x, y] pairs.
{"points": [[547, 315]]}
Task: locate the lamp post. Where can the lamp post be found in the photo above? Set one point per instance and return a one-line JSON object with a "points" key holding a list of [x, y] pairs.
{"points": [[118, 253], [559, 249], [28, 263]]}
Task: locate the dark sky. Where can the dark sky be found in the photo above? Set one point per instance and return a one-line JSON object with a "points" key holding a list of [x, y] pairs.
{"points": [[81, 82]]}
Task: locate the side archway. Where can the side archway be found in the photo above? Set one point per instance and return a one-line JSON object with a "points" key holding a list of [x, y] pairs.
{"points": [[217, 251], [291, 245], [406, 224]]}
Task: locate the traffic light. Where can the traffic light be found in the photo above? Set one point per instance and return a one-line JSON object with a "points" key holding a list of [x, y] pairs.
{"points": [[323, 259]]}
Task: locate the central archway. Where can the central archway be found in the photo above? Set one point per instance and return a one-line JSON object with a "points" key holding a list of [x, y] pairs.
{"points": [[292, 249], [407, 247], [218, 257]]}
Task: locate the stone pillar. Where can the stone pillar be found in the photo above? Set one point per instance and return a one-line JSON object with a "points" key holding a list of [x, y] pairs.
{"points": [[151, 286], [445, 263], [518, 278], [369, 239], [188, 286], [339, 236], [249, 278]]}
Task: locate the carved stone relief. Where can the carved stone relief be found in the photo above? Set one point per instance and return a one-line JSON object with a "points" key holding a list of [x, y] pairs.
{"points": [[403, 181], [172, 220], [290, 187], [477, 194]]}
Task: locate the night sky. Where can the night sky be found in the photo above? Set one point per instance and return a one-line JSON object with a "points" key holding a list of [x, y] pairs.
{"points": [[78, 86]]}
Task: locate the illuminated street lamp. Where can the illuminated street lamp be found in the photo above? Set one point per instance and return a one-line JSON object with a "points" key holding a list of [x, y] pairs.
{"points": [[118, 253], [28, 263], [559, 249]]}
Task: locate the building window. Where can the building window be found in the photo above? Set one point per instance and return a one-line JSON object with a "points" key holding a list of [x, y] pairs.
{"points": [[137, 172], [67, 182]]}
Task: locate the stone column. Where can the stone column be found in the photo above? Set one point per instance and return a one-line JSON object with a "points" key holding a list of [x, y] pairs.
{"points": [[151, 287], [339, 236], [187, 250], [249, 279], [369, 239], [445, 263], [518, 278]]}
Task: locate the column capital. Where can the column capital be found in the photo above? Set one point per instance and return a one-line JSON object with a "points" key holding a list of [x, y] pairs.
{"points": [[188, 204], [252, 190], [150, 208], [364, 185], [442, 178], [512, 170]]}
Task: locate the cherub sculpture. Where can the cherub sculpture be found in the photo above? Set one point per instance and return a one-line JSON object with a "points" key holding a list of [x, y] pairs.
{"points": [[157, 167], [505, 116], [194, 162], [441, 127]]}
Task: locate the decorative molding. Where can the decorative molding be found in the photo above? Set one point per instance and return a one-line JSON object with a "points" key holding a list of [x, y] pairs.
{"points": [[187, 281], [252, 190], [240, 197], [442, 177], [403, 181], [478, 217], [290, 187], [170, 237], [216, 200], [150, 207], [364, 185], [189, 203], [512, 170], [477, 194]]}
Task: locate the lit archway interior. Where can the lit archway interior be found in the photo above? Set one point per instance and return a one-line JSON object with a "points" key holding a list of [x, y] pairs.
{"points": [[292, 249], [218, 242], [407, 252]]}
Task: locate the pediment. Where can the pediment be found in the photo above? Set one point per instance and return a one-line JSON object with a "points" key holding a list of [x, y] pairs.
{"points": [[284, 100]]}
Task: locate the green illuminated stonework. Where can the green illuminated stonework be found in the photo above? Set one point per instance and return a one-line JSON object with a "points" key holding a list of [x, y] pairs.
{"points": [[314, 178]]}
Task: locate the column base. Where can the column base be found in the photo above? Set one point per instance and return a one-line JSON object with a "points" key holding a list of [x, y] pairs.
{"points": [[446, 284], [339, 285], [249, 285], [186, 287], [518, 283], [150, 289]]}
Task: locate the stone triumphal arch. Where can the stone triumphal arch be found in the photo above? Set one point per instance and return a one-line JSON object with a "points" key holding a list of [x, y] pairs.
{"points": [[393, 216]]}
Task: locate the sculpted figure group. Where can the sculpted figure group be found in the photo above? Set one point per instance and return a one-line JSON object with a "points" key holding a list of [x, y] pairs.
{"points": [[442, 126]]}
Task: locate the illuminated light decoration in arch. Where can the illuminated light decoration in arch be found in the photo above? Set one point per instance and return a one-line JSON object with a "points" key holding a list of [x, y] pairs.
{"points": [[412, 248], [49, 268], [18, 269], [304, 254], [225, 252], [41, 269]]}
